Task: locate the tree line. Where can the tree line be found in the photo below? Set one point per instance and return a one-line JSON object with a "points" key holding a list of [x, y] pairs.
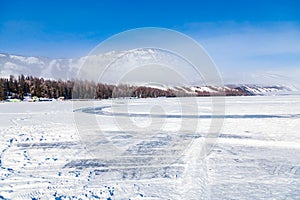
{"points": [[18, 88], [22, 86]]}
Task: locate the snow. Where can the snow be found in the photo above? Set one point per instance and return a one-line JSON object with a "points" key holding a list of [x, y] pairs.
{"points": [[259, 90], [28, 60], [10, 65], [43, 155], [9, 68], [206, 89], [156, 86]]}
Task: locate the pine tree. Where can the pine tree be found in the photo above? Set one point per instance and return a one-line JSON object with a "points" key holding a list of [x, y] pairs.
{"points": [[2, 91]]}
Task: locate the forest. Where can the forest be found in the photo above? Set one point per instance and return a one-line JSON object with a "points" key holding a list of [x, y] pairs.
{"points": [[29, 86], [22, 86]]}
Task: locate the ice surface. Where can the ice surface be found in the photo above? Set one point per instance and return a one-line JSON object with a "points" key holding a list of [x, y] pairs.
{"points": [[257, 155]]}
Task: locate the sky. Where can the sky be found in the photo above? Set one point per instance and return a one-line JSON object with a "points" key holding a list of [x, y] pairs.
{"points": [[254, 35]]}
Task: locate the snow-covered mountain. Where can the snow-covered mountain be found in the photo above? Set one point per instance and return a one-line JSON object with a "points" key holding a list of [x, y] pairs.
{"points": [[39, 66], [68, 68], [232, 90]]}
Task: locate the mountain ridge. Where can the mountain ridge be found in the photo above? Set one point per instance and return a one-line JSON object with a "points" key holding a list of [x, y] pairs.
{"points": [[67, 68]]}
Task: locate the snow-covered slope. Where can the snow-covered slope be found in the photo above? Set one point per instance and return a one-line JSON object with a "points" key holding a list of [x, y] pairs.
{"points": [[229, 90], [39, 66], [262, 90]]}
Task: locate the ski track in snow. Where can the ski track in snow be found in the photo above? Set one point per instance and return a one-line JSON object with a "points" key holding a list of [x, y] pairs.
{"points": [[257, 155]]}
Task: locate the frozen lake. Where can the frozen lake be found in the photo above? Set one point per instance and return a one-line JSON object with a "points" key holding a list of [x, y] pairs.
{"points": [[151, 149]]}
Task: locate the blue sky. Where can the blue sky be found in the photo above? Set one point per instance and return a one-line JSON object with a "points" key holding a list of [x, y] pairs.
{"points": [[249, 35]]}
